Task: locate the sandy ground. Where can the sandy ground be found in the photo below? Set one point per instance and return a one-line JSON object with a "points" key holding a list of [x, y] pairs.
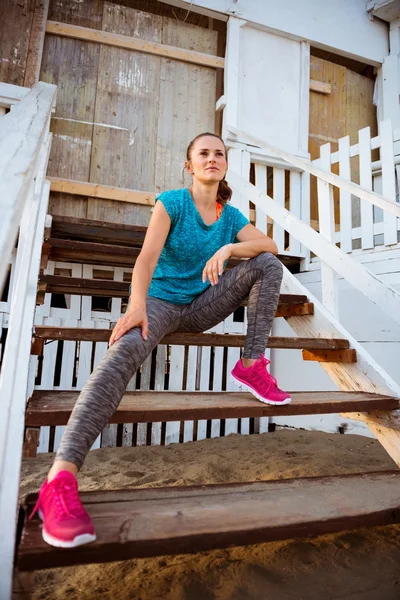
{"points": [[354, 565]]}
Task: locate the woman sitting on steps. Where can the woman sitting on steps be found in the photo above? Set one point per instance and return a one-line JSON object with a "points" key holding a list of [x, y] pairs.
{"points": [[178, 285]]}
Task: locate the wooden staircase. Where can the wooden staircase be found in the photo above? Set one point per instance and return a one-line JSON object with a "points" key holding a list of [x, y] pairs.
{"points": [[168, 520]]}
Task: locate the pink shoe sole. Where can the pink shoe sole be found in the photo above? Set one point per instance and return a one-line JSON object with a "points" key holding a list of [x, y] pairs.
{"points": [[79, 540], [245, 387]]}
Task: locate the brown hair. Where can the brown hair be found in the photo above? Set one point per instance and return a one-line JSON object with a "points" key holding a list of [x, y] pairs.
{"points": [[224, 193]]}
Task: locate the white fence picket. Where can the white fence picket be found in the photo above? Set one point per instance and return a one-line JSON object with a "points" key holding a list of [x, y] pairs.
{"points": [[327, 229], [145, 374], [231, 425], [47, 379], [67, 373], [177, 358], [159, 384], [295, 208], [279, 197], [388, 181], [366, 208], [346, 240], [191, 371], [204, 387]]}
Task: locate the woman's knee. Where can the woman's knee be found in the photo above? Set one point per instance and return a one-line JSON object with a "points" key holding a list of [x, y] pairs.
{"points": [[269, 262]]}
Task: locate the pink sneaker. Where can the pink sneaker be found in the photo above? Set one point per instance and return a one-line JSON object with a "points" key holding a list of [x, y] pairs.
{"points": [[259, 382], [66, 523]]}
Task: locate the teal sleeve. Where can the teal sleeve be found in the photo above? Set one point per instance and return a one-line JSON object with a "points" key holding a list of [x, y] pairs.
{"points": [[169, 201], [240, 221]]}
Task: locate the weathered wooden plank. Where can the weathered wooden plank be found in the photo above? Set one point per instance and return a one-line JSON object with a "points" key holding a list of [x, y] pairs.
{"points": [[65, 250], [36, 42], [340, 356], [98, 190], [54, 407], [187, 100], [132, 43], [320, 87], [72, 66], [194, 339], [126, 111], [106, 286], [174, 520], [15, 29], [86, 13]]}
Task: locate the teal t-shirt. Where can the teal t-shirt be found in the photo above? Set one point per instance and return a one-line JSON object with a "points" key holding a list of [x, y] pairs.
{"points": [[189, 245]]}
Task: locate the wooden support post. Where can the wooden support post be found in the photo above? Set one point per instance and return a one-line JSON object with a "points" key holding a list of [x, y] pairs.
{"points": [[31, 442], [41, 291], [23, 584], [36, 43], [364, 375]]}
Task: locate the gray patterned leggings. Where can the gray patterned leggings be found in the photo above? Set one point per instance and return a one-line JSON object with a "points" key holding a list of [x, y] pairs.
{"points": [[258, 278]]}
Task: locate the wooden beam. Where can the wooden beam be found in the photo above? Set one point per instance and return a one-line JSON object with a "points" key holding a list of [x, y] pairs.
{"points": [[54, 407], [320, 87], [130, 43], [193, 339], [364, 375], [118, 289], [36, 43], [338, 356], [97, 190], [154, 522]]}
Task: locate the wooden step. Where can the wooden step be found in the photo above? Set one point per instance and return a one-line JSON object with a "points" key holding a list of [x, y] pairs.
{"points": [[97, 242], [153, 522], [54, 407], [193, 339], [57, 284]]}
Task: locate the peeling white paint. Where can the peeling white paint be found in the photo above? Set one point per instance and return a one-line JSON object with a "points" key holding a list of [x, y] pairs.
{"points": [[75, 140], [131, 133]]}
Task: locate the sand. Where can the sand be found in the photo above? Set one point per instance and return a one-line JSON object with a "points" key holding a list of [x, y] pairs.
{"points": [[354, 565]]}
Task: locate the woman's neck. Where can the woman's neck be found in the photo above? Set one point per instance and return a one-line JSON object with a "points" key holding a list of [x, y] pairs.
{"points": [[204, 196]]}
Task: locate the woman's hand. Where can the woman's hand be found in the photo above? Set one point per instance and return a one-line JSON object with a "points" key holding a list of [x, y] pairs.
{"points": [[135, 317], [215, 266]]}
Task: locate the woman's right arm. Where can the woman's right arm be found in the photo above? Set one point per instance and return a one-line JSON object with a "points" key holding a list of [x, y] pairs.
{"points": [[145, 265]]}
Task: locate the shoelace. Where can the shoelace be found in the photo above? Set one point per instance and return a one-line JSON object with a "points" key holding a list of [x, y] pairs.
{"points": [[66, 501], [261, 368]]}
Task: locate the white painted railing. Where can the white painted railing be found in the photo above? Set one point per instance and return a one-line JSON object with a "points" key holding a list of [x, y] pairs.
{"points": [[286, 184], [334, 261], [358, 224], [24, 151]]}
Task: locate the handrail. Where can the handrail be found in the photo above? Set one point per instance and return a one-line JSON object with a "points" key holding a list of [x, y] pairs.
{"points": [[383, 295], [348, 186], [22, 131], [24, 152]]}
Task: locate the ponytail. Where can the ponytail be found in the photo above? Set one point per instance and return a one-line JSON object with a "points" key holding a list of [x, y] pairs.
{"points": [[224, 192]]}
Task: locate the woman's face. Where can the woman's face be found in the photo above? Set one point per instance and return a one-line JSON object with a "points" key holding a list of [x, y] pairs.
{"points": [[207, 161]]}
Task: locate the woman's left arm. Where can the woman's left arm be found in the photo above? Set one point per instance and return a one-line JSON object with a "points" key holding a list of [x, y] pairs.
{"points": [[252, 242]]}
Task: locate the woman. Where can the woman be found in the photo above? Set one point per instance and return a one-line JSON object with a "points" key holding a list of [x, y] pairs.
{"points": [[177, 285]]}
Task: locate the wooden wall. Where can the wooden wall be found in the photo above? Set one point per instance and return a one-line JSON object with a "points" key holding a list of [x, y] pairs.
{"points": [[15, 30], [124, 118], [347, 109]]}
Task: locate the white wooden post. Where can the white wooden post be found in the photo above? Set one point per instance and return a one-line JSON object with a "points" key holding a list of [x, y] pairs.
{"points": [[327, 229], [279, 197], [388, 181], [295, 208], [231, 75], [13, 380], [305, 216], [346, 219], [366, 208]]}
